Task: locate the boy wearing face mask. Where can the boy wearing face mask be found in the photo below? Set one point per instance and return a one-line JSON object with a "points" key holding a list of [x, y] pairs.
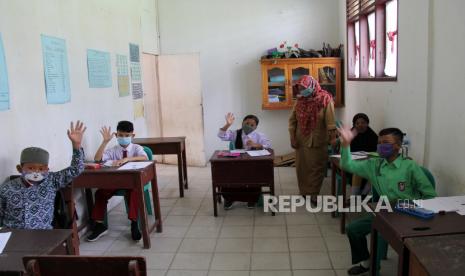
{"points": [[244, 138], [391, 176], [27, 202], [125, 151]]}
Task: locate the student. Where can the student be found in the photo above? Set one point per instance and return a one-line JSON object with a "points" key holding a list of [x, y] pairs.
{"points": [[391, 176], [244, 138], [365, 140], [122, 153], [27, 202]]}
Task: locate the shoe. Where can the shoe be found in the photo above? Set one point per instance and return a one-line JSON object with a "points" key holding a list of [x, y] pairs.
{"points": [[228, 204], [358, 270], [250, 205], [135, 233], [100, 230]]}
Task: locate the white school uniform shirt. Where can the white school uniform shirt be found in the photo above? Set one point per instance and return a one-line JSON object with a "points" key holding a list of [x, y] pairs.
{"points": [[116, 152], [255, 136]]}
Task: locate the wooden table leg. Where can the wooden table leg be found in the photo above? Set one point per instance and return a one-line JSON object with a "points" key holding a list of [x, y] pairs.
{"points": [[343, 214], [403, 264], [143, 213], [215, 207], [184, 166], [272, 193], [333, 184], [156, 202], [180, 176]]}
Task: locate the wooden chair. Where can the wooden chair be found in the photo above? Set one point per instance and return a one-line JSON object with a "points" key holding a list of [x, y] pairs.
{"points": [[60, 265]]}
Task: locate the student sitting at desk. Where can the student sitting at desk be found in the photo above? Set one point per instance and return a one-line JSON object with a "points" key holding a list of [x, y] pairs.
{"points": [[365, 140], [27, 202], [391, 176], [244, 138], [122, 153]]}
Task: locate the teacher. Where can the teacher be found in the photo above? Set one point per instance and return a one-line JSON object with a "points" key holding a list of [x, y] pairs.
{"points": [[311, 125]]}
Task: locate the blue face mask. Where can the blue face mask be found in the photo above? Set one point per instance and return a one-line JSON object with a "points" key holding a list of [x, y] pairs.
{"points": [[385, 150], [124, 141], [307, 92]]}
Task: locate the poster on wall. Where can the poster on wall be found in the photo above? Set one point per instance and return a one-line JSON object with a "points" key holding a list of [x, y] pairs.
{"points": [[122, 72], [4, 88], [98, 69], [56, 71], [136, 80]]}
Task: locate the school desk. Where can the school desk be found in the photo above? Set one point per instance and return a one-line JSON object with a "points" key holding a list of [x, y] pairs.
{"points": [[241, 172], [33, 242], [437, 255], [169, 145], [395, 227], [112, 178]]}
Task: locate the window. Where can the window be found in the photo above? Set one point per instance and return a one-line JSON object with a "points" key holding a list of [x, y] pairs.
{"points": [[372, 39]]}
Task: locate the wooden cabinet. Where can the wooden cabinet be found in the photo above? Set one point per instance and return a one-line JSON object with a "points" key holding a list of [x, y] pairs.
{"points": [[280, 75]]}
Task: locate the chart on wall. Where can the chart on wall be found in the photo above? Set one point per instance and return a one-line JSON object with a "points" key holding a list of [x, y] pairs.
{"points": [[98, 69], [4, 88], [122, 72], [136, 80], [56, 71]]}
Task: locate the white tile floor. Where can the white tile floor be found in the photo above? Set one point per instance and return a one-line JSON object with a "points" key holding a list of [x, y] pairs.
{"points": [[237, 242]]}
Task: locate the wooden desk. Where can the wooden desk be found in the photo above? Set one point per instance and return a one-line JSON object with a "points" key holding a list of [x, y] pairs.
{"points": [[437, 255], [33, 242], [239, 172], [169, 145], [112, 178], [396, 227], [334, 168]]}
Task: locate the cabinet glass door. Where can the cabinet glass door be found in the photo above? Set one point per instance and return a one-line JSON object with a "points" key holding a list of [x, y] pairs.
{"points": [[327, 79], [297, 71], [276, 85]]}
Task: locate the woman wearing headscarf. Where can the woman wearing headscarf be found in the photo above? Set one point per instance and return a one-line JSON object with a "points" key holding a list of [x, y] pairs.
{"points": [[311, 125], [365, 140]]}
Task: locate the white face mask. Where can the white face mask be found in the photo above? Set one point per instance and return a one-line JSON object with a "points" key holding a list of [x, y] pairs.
{"points": [[34, 177]]}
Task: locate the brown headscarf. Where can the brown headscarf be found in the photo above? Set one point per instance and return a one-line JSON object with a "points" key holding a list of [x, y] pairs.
{"points": [[307, 108]]}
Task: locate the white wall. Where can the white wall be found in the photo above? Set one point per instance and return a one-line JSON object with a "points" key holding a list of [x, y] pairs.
{"points": [[445, 150], [426, 101], [103, 25], [231, 36]]}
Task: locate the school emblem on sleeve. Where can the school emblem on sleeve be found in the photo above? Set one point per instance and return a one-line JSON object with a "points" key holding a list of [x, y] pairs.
{"points": [[401, 186]]}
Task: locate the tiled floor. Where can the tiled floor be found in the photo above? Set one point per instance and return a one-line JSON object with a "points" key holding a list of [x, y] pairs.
{"points": [[237, 242]]}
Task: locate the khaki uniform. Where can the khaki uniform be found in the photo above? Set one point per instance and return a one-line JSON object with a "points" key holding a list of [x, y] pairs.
{"points": [[312, 151]]}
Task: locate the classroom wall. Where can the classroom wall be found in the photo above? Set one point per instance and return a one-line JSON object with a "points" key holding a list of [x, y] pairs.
{"points": [[102, 25], [230, 37], [403, 103], [445, 150], [426, 100]]}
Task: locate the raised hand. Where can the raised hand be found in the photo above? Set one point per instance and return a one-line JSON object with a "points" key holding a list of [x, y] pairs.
{"points": [[230, 119], [106, 134], [346, 134], [75, 134]]}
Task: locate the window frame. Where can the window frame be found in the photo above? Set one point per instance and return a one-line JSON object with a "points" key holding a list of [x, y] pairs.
{"points": [[379, 7]]}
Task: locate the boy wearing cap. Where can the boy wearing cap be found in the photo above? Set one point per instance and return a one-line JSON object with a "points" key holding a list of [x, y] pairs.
{"points": [[27, 202]]}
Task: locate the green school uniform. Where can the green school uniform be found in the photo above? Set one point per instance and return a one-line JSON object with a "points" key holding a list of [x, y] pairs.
{"points": [[400, 179]]}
